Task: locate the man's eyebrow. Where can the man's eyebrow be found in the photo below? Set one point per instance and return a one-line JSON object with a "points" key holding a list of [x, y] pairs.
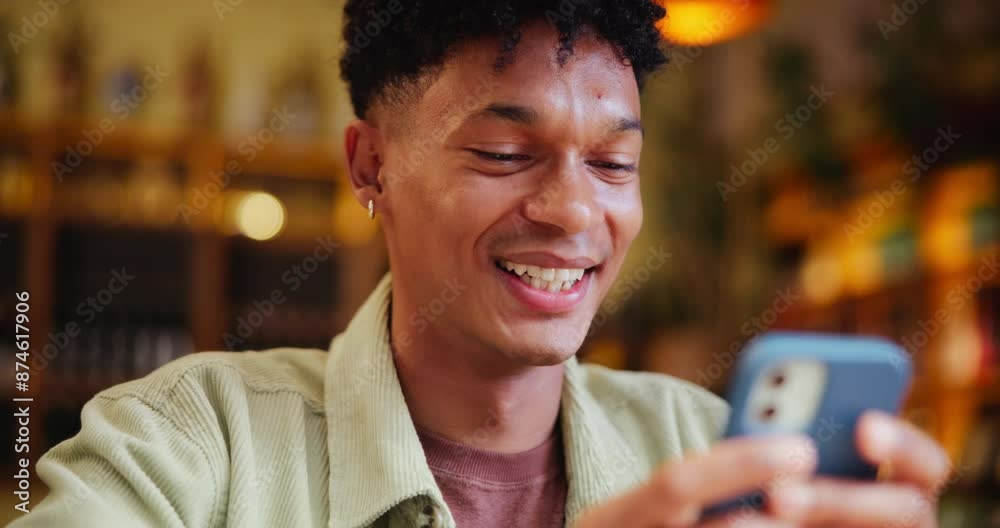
{"points": [[626, 124], [519, 114], [525, 115]]}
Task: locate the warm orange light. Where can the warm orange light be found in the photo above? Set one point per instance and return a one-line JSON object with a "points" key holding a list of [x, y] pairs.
{"points": [[705, 22], [258, 215], [948, 244], [862, 268], [821, 278]]}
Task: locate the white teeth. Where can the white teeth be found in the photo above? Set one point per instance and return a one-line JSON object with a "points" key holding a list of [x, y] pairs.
{"points": [[549, 279]]}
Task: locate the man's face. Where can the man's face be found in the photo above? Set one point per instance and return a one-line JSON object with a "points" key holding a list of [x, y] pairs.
{"points": [[534, 168]]}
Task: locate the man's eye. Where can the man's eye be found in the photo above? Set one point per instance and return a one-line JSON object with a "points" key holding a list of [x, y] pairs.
{"points": [[612, 166], [498, 156]]}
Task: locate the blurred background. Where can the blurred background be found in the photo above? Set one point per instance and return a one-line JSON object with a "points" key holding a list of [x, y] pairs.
{"points": [[829, 166]]}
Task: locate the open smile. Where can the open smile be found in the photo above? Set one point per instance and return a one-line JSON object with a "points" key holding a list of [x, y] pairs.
{"points": [[546, 289]]}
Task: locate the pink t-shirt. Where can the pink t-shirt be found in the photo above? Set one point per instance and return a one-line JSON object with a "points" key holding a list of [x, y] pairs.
{"points": [[485, 489]]}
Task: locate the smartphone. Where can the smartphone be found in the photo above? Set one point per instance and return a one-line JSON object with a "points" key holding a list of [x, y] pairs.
{"points": [[817, 385]]}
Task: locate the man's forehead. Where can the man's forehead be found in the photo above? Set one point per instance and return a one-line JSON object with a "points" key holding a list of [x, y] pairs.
{"points": [[469, 85]]}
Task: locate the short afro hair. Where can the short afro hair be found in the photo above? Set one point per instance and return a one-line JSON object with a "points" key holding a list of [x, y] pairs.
{"points": [[391, 43]]}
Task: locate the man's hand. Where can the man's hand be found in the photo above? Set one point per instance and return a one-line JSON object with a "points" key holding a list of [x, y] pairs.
{"points": [[908, 499], [676, 493]]}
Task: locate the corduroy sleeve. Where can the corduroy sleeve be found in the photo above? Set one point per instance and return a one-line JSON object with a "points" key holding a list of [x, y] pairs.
{"points": [[130, 465]]}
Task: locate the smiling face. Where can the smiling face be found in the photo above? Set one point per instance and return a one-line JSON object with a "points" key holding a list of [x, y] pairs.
{"points": [[509, 199]]}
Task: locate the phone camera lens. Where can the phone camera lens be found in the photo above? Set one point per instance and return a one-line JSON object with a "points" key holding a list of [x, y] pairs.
{"points": [[768, 413], [778, 379]]}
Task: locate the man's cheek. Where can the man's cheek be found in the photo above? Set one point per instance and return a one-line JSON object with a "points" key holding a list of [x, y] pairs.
{"points": [[624, 213], [635, 220], [606, 281]]}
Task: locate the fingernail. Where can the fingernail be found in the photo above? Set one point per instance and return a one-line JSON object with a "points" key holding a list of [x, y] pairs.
{"points": [[882, 434], [793, 501]]}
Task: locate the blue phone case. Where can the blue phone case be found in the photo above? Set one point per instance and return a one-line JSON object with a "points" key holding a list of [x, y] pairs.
{"points": [[862, 373]]}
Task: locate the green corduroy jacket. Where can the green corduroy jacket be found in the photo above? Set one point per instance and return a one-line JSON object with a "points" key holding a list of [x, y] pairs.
{"points": [[303, 437]]}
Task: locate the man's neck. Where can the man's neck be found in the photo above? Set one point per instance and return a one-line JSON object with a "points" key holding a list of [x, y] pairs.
{"points": [[475, 396]]}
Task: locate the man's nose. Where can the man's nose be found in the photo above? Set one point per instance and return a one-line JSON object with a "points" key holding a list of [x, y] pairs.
{"points": [[564, 200]]}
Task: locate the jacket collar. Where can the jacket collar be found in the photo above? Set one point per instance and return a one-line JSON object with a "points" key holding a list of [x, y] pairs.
{"points": [[376, 459]]}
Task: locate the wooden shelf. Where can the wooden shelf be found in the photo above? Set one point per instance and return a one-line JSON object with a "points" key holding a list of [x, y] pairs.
{"points": [[307, 160], [125, 142], [198, 155]]}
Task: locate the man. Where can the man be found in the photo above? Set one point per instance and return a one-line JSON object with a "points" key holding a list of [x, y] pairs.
{"points": [[498, 142]]}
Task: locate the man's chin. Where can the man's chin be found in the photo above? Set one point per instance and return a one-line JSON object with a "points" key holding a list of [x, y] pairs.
{"points": [[541, 358], [543, 351]]}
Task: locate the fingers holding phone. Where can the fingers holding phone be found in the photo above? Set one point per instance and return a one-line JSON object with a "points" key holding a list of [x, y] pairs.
{"points": [[908, 498], [811, 423], [677, 493], [911, 455]]}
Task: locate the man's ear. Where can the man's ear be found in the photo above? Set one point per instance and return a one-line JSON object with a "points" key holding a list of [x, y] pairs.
{"points": [[363, 149]]}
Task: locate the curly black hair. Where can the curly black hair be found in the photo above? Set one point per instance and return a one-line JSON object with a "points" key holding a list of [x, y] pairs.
{"points": [[391, 43]]}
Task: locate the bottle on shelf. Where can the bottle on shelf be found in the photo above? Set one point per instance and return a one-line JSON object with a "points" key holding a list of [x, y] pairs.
{"points": [[200, 87], [9, 78], [72, 69]]}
